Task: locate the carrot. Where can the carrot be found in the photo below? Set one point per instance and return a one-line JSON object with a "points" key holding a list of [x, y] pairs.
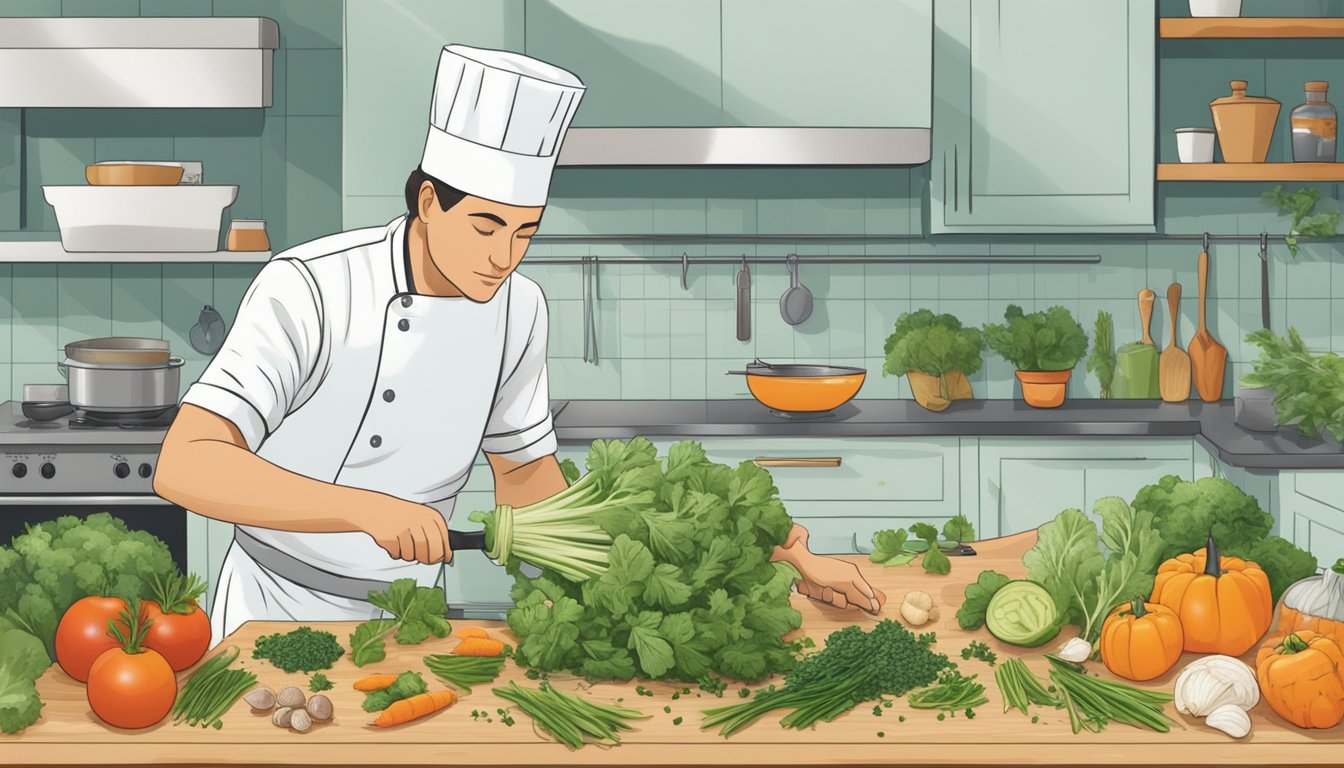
{"points": [[468, 632], [374, 682], [479, 646], [414, 708]]}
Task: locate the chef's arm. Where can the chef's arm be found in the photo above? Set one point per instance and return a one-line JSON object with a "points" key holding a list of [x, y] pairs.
{"points": [[521, 484], [205, 466]]}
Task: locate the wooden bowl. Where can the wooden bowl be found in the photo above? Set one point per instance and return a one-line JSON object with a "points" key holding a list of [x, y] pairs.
{"points": [[133, 175]]}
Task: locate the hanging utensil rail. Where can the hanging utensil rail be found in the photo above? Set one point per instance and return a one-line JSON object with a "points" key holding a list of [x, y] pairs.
{"points": [[736, 260]]}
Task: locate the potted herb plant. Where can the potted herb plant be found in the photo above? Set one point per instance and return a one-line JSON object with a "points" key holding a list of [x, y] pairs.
{"points": [[1308, 389], [936, 354], [1044, 346]]}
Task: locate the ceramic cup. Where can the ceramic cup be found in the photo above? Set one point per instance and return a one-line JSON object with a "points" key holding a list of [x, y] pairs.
{"points": [[1195, 145]]}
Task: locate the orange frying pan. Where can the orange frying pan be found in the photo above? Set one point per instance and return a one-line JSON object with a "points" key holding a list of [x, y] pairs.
{"points": [[802, 388]]}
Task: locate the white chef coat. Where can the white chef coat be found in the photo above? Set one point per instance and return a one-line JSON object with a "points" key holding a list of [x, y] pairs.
{"points": [[336, 370]]}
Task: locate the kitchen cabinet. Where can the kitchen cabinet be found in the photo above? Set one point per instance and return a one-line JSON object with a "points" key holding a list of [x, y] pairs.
{"points": [[1043, 120], [1311, 503], [1025, 483], [207, 543], [652, 63], [852, 63]]}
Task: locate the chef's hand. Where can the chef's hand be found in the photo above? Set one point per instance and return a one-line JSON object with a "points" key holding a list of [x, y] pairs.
{"points": [[837, 582], [410, 531]]}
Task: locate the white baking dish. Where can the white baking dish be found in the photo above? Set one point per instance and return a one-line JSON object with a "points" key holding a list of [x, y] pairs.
{"points": [[183, 218]]}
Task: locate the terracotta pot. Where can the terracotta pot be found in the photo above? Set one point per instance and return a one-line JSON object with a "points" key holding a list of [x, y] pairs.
{"points": [[1245, 124], [1044, 389]]}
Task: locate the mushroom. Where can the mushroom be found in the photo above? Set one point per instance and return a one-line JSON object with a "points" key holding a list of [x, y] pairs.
{"points": [[290, 696], [260, 699], [319, 708], [282, 716], [300, 721]]}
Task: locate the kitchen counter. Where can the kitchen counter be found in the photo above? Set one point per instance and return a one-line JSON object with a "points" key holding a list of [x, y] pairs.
{"points": [[68, 734], [1212, 424]]}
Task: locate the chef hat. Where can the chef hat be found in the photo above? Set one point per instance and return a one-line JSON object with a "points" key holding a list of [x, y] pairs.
{"points": [[496, 123]]}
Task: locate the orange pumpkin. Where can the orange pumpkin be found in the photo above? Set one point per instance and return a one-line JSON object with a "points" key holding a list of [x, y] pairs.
{"points": [[1140, 641], [1302, 677], [1224, 603]]}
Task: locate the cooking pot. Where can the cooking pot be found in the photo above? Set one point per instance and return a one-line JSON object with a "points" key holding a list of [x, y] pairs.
{"points": [[119, 350], [123, 388], [802, 387]]}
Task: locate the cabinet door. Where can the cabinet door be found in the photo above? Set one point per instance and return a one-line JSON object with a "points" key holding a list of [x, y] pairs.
{"points": [[1044, 116], [851, 63], [1312, 508], [1026, 483], [651, 63]]}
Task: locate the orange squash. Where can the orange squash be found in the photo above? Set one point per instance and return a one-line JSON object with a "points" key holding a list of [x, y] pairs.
{"points": [[1302, 678], [1315, 603], [1141, 641], [1224, 603]]}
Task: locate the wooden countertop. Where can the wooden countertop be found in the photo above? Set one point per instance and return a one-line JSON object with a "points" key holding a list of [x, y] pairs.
{"points": [[68, 733]]}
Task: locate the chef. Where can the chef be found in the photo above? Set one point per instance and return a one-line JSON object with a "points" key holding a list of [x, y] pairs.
{"points": [[366, 370]]}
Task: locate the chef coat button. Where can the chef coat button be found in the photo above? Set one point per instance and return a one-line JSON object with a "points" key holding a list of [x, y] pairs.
{"points": [[389, 395], [404, 324], [375, 441], [405, 301]]}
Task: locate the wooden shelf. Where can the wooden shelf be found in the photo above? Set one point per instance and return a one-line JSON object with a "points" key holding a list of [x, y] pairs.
{"points": [[51, 252], [1276, 27], [1250, 172]]}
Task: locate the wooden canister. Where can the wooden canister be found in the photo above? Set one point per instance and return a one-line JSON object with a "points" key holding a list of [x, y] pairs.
{"points": [[1245, 124]]}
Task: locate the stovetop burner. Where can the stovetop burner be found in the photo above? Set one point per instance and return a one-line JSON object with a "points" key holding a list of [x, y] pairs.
{"points": [[138, 420], [30, 424]]}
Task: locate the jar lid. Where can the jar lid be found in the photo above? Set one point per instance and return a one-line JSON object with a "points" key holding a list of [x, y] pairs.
{"points": [[247, 224], [1239, 96], [1316, 86], [1194, 130]]}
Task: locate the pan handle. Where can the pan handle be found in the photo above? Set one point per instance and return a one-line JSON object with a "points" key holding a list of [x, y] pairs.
{"points": [[740, 373], [789, 461]]}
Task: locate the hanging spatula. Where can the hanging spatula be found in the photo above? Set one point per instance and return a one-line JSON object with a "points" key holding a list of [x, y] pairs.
{"points": [[1174, 364], [1208, 358]]}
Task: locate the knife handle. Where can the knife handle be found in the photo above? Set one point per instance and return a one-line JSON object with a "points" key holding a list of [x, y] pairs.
{"points": [[460, 540]]}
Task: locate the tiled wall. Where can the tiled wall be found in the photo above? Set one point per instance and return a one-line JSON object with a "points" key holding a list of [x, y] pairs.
{"points": [[658, 341], [285, 159]]}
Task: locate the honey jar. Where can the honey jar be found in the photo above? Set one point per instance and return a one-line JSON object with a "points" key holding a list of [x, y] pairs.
{"points": [[248, 235]]}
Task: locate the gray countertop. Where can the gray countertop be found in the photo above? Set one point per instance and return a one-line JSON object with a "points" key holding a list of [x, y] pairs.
{"points": [[1210, 423]]}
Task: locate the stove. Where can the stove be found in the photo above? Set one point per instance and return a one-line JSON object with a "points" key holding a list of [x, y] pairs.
{"points": [[84, 463]]}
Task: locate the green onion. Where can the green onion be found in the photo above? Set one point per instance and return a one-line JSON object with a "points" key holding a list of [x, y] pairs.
{"points": [[952, 692], [1020, 688], [211, 690], [1093, 702], [465, 671], [570, 719]]}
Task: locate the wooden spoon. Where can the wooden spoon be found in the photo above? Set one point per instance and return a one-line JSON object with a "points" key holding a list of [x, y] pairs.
{"points": [[1208, 358], [1174, 364]]}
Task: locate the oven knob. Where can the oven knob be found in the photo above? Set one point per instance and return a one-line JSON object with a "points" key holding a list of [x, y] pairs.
{"points": [[122, 469], [19, 470], [146, 470], [48, 470]]}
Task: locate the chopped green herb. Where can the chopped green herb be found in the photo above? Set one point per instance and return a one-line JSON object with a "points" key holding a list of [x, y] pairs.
{"points": [[1035, 719], [301, 650], [676, 721], [668, 710], [319, 682], [901, 719], [979, 650], [940, 716], [744, 693]]}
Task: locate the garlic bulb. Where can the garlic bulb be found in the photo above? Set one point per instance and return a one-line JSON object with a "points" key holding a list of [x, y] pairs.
{"points": [[1213, 681], [917, 609], [1230, 719], [1076, 650]]}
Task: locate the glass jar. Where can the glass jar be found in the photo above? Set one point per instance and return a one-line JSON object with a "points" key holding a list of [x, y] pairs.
{"points": [[1315, 125], [248, 235]]}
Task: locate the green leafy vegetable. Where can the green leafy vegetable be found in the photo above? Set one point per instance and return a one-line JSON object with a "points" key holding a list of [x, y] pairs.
{"points": [[319, 682], [1308, 388], [1102, 360], [932, 344], [958, 529], [652, 567], [53, 564], [22, 661], [971, 614], [889, 548], [1048, 340], [301, 650], [894, 547], [1300, 205], [1086, 579], [417, 613], [1186, 513], [407, 684], [979, 650]]}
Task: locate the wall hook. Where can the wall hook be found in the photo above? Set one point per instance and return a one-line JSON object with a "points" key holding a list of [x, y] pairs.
{"points": [[685, 268], [1206, 242]]}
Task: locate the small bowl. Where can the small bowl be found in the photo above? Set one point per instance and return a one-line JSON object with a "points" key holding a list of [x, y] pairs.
{"points": [[46, 411]]}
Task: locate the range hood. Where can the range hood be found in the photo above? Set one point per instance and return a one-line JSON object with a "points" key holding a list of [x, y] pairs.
{"points": [[135, 62], [744, 146]]}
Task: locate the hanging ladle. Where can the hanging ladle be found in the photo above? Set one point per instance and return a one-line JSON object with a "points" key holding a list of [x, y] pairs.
{"points": [[796, 303]]}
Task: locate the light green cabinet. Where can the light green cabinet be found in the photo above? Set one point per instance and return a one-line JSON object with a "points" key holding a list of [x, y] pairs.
{"points": [[1025, 483], [651, 63], [1043, 116], [208, 542], [852, 63], [1312, 508]]}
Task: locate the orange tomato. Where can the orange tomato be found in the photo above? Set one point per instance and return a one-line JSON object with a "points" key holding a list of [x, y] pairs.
{"points": [[131, 690], [83, 636], [181, 638]]}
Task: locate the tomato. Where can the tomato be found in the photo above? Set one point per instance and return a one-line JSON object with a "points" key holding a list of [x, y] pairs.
{"points": [[181, 638], [131, 690], [82, 635]]}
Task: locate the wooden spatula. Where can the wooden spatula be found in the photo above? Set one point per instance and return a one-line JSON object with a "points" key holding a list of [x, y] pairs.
{"points": [[1208, 358], [1174, 364]]}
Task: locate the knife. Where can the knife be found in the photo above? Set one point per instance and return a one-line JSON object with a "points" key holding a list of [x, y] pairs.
{"points": [[462, 540]]}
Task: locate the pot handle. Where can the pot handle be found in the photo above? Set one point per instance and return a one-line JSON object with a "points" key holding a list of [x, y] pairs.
{"points": [[176, 362], [740, 373], [64, 369]]}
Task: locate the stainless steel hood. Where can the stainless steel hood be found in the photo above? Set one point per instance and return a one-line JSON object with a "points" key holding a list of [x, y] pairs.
{"points": [[744, 146], [137, 62]]}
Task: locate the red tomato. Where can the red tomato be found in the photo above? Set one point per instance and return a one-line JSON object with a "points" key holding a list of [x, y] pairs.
{"points": [[82, 635], [182, 638], [131, 690]]}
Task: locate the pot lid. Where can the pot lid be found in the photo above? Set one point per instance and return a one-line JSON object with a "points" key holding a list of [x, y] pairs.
{"points": [[800, 370], [1239, 97]]}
